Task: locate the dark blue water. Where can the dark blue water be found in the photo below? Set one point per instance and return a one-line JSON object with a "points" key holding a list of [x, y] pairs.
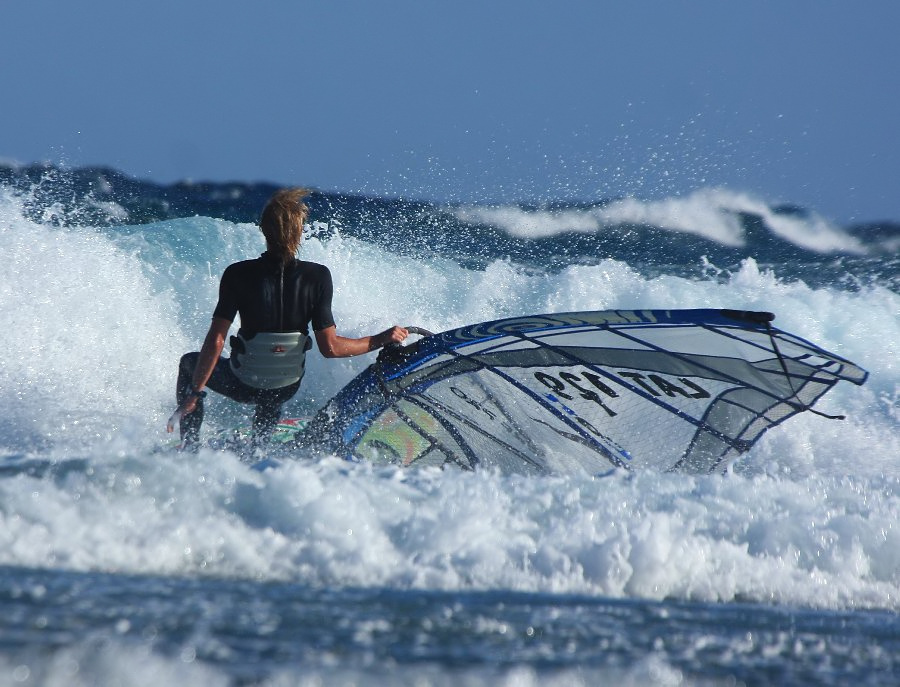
{"points": [[250, 632]]}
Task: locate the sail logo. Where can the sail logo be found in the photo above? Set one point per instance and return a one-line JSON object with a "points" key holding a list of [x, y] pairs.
{"points": [[589, 386]]}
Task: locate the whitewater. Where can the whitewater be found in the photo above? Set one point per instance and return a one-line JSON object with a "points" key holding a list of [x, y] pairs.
{"points": [[126, 563]]}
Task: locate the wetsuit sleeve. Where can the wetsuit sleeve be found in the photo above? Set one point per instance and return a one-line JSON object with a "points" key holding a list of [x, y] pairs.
{"points": [[321, 311], [227, 306]]}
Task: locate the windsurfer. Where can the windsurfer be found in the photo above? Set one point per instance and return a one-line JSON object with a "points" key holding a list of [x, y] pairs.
{"points": [[277, 296]]}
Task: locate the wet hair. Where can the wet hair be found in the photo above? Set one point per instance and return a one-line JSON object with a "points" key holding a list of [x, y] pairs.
{"points": [[282, 222]]}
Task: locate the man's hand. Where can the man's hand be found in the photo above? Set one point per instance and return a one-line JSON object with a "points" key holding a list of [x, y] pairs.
{"points": [[394, 335], [186, 407]]}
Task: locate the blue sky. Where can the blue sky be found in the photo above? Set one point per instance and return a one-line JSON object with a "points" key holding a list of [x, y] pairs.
{"points": [[793, 101]]}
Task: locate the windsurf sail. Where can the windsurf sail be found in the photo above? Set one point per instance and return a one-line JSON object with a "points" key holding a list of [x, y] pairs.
{"points": [[667, 389]]}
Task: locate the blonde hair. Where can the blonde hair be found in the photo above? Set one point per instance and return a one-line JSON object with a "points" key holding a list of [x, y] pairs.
{"points": [[282, 222]]}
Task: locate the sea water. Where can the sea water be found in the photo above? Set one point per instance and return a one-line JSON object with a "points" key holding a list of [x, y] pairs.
{"points": [[121, 563]]}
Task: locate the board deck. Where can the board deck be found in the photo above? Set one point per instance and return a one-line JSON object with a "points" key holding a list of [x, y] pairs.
{"points": [[239, 439]]}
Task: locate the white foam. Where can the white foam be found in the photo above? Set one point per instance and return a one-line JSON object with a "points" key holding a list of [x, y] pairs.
{"points": [[531, 224], [115, 661], [813, 541], [84, 335], [105, 661], [709, 213]]}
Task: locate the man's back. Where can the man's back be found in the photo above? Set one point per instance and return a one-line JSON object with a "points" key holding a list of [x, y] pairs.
{"points": [[272, 299]]}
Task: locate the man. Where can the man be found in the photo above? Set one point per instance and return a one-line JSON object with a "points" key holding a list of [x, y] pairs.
{"points": [[277, 297]]}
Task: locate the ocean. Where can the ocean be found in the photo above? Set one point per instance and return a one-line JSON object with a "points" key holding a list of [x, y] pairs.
{"points": [[124, 563]]}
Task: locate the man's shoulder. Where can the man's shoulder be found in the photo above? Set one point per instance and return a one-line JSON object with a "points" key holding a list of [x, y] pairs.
{"points": [[312, 268], [242, 267], [304, 268]]}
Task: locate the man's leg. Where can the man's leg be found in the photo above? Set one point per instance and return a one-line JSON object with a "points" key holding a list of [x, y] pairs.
{"points": [[265, 419], [222, 381], [189, 425], [268, 410]]}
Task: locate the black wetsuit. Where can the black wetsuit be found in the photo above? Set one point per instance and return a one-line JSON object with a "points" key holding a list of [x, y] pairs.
{"points": [[269, 298]]}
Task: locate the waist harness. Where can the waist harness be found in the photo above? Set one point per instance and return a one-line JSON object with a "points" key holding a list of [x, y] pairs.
{"points": [[269, 360]]}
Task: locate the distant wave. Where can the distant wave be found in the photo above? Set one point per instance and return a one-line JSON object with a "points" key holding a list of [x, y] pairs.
{"points": [[713, 214]]}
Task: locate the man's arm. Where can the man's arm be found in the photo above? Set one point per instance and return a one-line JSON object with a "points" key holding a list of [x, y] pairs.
{"points": [[210, 352], [332, 345]]}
